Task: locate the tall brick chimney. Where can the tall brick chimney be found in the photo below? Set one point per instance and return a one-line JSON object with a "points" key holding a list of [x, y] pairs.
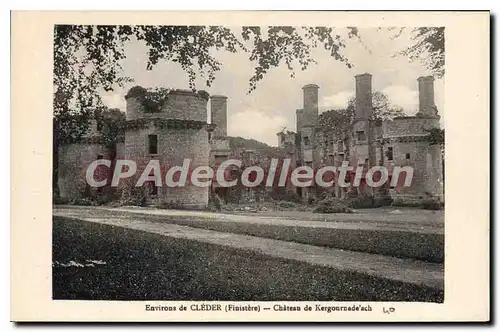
{"points": [[426, 105], [218, 107], [310, 104], [364, 107]]}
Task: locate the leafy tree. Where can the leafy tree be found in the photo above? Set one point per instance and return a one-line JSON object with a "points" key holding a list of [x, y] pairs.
{"points": [[339, 121], [427, 47], [383, 109], [151, 99], [436, 136], [238, 144], [87, 58], [111, 126]]}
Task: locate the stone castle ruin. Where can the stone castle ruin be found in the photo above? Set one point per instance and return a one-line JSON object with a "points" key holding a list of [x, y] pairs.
{"points": [[179, 129], [402, 141]]}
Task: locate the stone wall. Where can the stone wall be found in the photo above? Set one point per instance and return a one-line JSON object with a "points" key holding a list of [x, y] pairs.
{"points": [[74, 160], [308, 146], [219, 150], [434, 183], [134, 108], [426, 95], [408, 126], [219, 142], [299, 115], [426, 162], [363, 101], [218, 111], [174, 145], [185, 137], [406, 137], [310, 100], [186, 105], [220, 145], [180, 104], [285, 139], [120, 150], [359, 150]]}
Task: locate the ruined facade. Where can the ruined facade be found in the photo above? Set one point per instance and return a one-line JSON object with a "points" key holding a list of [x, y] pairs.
{"points": [[178, 130], [403, 141], [219, 141], [73, 160]]}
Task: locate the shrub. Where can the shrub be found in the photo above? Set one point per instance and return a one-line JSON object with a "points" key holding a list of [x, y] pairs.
{"points": [[203, 94], [427, 204], [282, 194], [83, 202], [133, 196], [332, 205], [215, 202], [292, 197], [136, 91], [172, 205], [59, 200], [154, 99], [324, 195], [303, 208], [402, 203], [104, 198], [432, 204], [361, 202], [382, 201], [287, 204]]}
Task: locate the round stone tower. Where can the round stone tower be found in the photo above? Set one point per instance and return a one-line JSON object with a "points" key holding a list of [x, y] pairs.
{"points": [[176, 131], [364, 148], [310, 104], [218, 106]]}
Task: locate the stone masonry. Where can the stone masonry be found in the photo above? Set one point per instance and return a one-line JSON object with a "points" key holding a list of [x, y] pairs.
{"points": [[179, 131], [400, 142]]}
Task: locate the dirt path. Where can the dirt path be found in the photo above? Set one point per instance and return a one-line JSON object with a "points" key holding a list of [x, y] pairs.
{"points": [[405, 270], [406, 221]]}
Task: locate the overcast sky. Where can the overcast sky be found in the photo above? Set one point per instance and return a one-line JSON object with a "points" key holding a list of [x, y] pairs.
{"points": [[269, 108]]}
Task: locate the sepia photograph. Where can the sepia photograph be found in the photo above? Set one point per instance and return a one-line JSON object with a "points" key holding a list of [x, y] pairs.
{"points": [[248, 163], [250, 166]]}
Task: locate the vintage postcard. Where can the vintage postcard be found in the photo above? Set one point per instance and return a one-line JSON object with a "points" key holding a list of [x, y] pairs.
{"points": [[250, 166]]}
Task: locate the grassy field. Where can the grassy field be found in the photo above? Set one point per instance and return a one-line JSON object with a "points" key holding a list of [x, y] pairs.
{"points": [[145, 266], [394, 241]]}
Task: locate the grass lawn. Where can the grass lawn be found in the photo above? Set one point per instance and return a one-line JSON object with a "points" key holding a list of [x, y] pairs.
{"points": [[427, 246], [146, 266]]}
